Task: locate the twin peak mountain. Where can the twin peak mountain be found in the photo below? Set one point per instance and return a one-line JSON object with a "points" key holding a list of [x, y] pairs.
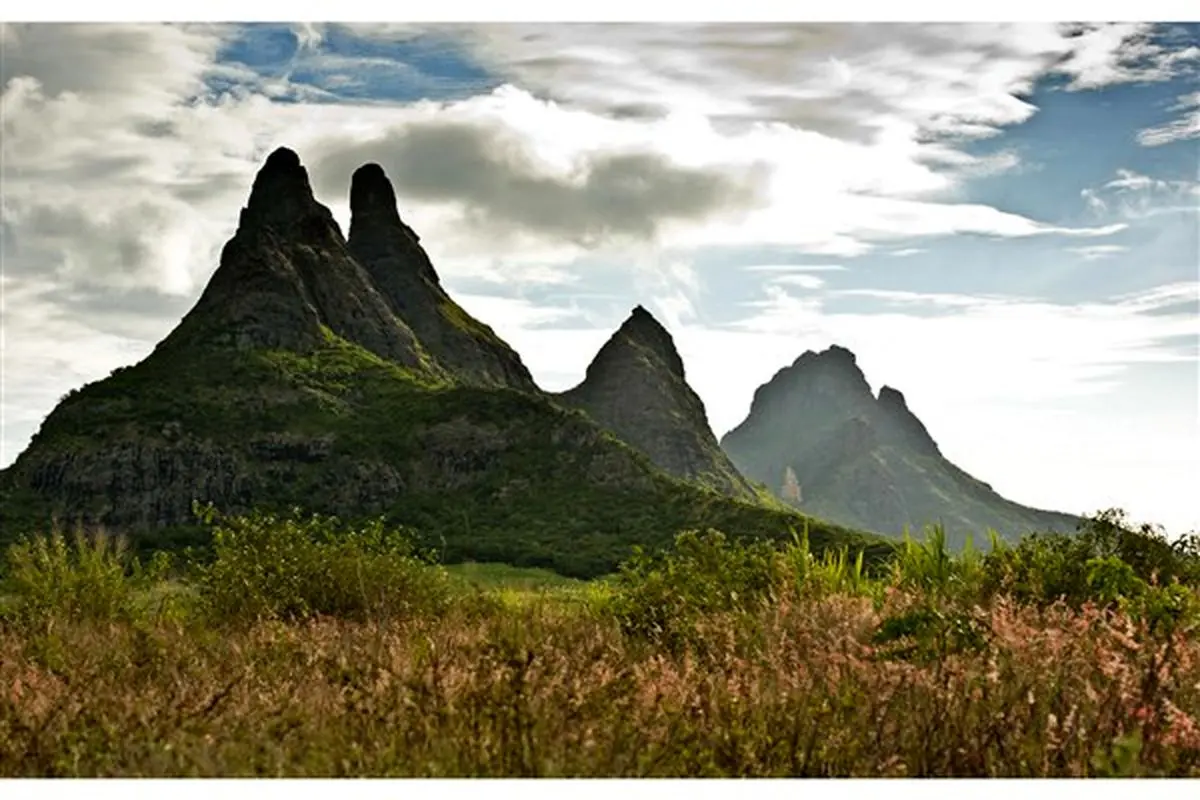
{"points": [[335, 373]]}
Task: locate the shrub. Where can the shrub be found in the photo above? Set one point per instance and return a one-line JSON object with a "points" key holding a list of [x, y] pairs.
{"points": [[1145, 548], [661, 597], [1107, 561], [289, 567], [1170, 609], [88, 577]]}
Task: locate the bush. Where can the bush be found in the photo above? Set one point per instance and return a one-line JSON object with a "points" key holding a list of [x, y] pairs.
{"points": [[1107, 561], [1170, 609], [88, 577], [661, 597], [1146, 549], [265, 566]]}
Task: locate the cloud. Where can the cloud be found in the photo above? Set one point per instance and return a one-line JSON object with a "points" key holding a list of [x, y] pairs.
{"points": [[112, 176], [332, 63], [1048, 350], [902, 298], [862, 82], [1177, 130], [506, 174], [928, 86], [801, 281], [52, 345], [130, 169], [516, 313], [794, 268], [1130, 181], [1093, 200], [907, 251], [134, 68], [1096, 252], [1133, 195], [1107, 54], [852, 225], [496, 178], [1155, 300]]}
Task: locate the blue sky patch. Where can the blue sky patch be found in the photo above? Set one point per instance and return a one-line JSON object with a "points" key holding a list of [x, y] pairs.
{"points": [[345, 67]]}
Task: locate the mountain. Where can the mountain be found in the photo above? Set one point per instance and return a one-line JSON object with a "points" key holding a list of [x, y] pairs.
{"points": [[338, 377], [635, 387], [817, 434]]}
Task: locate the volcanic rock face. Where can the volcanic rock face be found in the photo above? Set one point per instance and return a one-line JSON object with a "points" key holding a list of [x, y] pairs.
{"points": [[398, 265], [864, 460], [286, 272], [636, 388]]}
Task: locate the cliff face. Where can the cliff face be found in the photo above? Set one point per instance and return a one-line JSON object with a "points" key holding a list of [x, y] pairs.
{"points": [[636, 388], [340, 378], [863, 460]]}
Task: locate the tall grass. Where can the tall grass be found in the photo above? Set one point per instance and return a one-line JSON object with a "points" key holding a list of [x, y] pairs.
{"points": [[353, 656], [84, 575], [540, 692]]}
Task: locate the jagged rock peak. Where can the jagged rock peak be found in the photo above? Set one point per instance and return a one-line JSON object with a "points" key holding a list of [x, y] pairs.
{"points": [[401, 269], [283, 161], [834, 354], [834, 363], [644, 330], [282, 195], [895, 407], [892, 397], [635, 387], [372, 196], [375, 222]]}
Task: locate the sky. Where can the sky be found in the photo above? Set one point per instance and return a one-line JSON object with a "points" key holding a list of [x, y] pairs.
{"points": [[1000, 220]]}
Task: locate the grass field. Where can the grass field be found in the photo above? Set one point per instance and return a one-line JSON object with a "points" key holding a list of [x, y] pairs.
{"points": [[302, 650], [505, 576]]}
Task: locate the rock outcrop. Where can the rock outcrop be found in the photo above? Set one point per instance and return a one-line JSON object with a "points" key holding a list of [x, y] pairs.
{"points": [[390, 251], [286, 273], [635, 387], [863, 460]]}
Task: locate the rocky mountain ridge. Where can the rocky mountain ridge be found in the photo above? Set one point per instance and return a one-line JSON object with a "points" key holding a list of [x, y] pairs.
{"points": [[865, 460], [337, 376]]}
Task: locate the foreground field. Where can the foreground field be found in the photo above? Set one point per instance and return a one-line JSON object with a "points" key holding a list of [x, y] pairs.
{"points": [[716, 659]]}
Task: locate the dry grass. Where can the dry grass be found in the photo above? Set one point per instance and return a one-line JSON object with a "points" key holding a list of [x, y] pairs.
{"points": [[548, 689]]}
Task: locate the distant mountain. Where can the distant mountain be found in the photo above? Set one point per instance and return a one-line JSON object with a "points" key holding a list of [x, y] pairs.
{"points": [[339, 377], [635, 387], [819, 437]]}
